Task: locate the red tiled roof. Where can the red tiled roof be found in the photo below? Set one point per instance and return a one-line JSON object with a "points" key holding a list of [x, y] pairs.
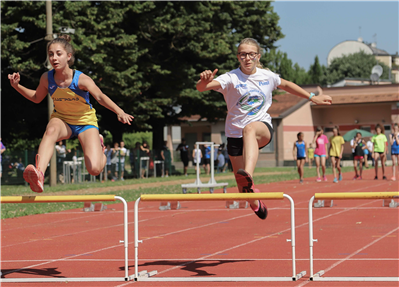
{"points": [[363, 94]]}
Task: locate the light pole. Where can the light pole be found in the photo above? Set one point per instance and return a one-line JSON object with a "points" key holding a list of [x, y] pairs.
{"points": [[49, 37]]}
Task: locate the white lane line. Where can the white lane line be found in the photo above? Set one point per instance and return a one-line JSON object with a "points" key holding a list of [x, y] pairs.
{"points": [[209, 259]]}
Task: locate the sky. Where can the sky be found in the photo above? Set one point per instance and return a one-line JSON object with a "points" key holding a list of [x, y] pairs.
{"points": [[314, 27]]}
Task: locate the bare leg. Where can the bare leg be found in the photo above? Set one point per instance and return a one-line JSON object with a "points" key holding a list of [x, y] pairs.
{"points": [[302, 164], [95, 159], [317, 160], [255, 135], [376, 157], [383, 159], [355, 167], [338, 164], [56, 130], [333, 163], [323, 165], [298, 165]]}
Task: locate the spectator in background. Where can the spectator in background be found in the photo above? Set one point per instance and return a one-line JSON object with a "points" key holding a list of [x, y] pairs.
{"points": [[220, 161], [207, 159], [299, 153], [114, 161], [380, 149], [135, 160], [394, 141], [145, 152], [227, 163], [197, 157], [20, 167], [2, 149], [183, 148], [108, 154], [336, 150], [366, 155], [310, 152], [122, 154], [370, 149], [320, 153], [167, 158], [358, 146], [61, 157]]}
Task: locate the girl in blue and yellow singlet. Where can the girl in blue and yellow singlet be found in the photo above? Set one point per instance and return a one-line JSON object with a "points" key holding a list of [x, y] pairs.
{"points": [[299, 153], [73, 115]]}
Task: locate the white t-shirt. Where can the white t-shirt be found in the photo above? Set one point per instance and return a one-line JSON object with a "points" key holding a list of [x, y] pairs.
{"points": [[370, 146], [221, 160], [123, 154], [197, 155], [248, 97], [61, 150]]}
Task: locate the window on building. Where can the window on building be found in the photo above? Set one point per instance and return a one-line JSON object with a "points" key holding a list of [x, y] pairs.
{"points": [[366, 128]]}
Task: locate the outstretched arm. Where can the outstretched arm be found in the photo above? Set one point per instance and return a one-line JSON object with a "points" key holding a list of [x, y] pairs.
{"points": [[294, 89], [87, 84], [207, 82], [35, 96]]}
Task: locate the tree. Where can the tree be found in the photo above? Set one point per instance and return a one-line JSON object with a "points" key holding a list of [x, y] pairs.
{"points": [[145, 55], [357, 65], [315, 72]]}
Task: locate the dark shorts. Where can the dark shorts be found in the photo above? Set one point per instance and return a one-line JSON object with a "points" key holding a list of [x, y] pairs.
{"points": [[185, 161], [300, 158], [207, 160], [394, 153], [380, 153], [235, 145]]}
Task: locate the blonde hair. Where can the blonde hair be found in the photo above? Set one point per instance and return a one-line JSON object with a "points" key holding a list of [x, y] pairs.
{"points": [[64, 40], [251, 41]]}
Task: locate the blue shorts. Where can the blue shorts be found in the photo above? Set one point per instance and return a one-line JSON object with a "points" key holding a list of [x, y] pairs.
{"points": [[77, 129], [316, 155], [366, 151]]}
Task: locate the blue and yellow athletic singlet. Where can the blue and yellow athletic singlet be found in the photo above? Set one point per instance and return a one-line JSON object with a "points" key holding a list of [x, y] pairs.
{"points": [[300, 149], [71, 104]]}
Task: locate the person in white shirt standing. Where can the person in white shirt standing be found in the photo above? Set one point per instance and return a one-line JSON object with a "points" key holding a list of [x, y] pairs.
{"points": [[247, 91]]}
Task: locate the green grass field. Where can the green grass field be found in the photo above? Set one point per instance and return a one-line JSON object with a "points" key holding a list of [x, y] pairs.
{"points": [[131, 189]]}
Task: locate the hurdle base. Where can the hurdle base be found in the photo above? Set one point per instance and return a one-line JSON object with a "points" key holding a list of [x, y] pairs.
{"points": [[214, 279], [356, 279], [318, 277], [389, 203], [146, 276]]}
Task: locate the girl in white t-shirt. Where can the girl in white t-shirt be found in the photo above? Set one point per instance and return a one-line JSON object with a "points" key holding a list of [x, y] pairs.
{"points": [[247, 91]]}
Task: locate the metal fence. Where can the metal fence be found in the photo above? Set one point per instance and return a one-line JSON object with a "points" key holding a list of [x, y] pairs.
{"points": [[72, 169]]}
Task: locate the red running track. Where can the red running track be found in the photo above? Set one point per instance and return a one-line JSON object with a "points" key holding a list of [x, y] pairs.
{"points": [[355, 238]]}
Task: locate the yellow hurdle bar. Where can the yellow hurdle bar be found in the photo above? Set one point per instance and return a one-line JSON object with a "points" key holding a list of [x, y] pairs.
{"points": [[357, 195], [56, 198], [212, 197]]}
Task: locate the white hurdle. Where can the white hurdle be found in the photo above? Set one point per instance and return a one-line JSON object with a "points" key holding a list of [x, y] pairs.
{"points": [[343, 196], [148, 276], [73, 198], [212, 182]]}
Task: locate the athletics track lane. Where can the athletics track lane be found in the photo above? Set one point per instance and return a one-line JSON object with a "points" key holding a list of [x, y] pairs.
{"points": [[355, 238]]}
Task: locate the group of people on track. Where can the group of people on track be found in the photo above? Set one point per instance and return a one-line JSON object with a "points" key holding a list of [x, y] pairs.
{"points": [[333, 148]]}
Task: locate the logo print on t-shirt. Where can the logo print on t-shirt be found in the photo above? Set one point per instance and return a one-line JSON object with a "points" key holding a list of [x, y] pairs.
{"points": [[252, 101]]}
